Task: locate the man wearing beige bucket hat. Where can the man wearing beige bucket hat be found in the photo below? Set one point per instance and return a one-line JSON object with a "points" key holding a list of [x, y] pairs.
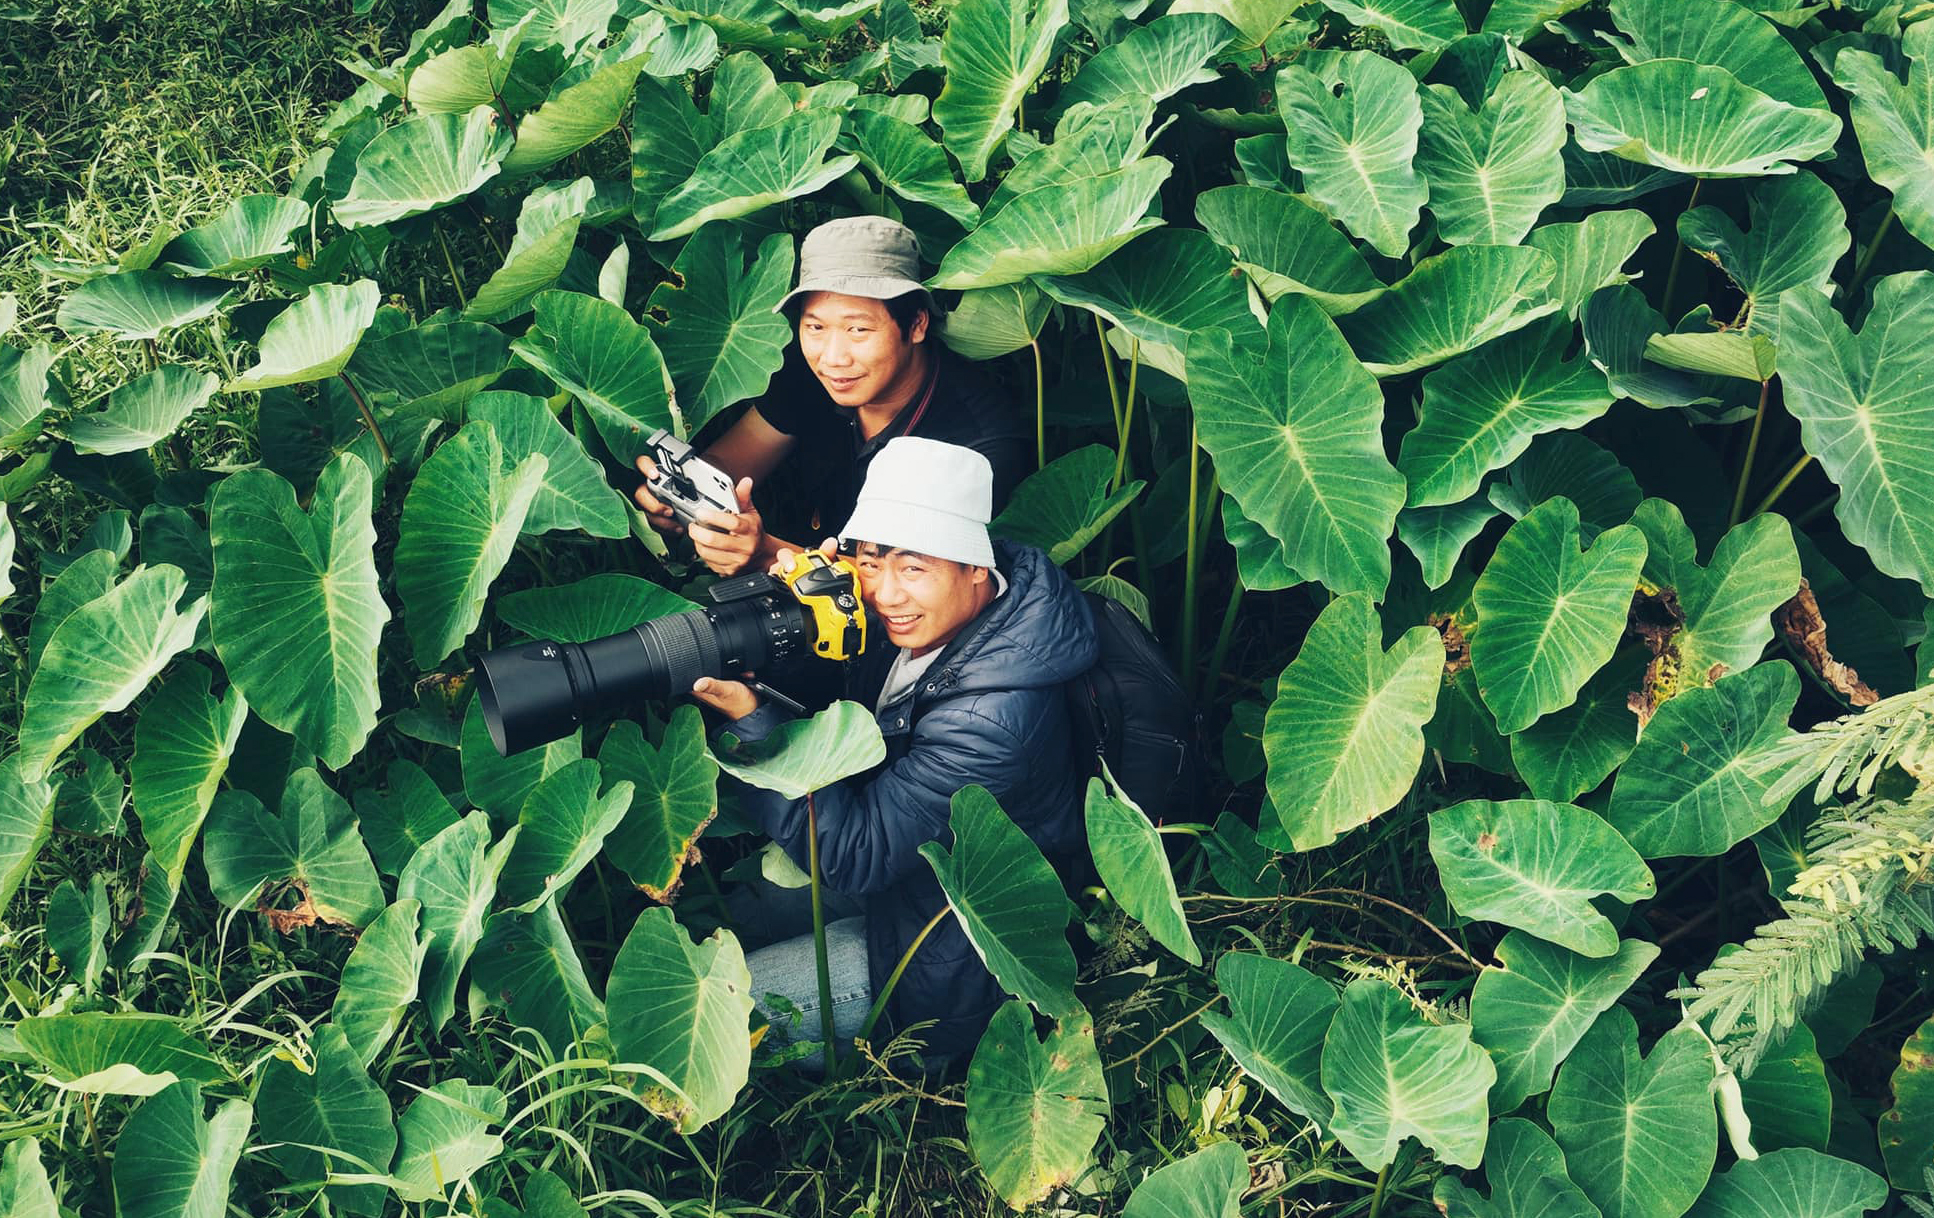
{"points": [[866, 368]]}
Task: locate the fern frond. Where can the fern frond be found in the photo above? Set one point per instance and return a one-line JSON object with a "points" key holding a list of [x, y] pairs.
{"points": [[1852, 752]]}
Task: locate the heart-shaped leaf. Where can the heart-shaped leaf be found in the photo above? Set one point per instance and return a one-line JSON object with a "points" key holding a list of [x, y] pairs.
{"points": [[249, 232], [500, 785], [1153, 62], [674, 796], [443, 1139], [909, 164], [1491, 172], [1904, 1142], [992, 53], [527, 964], [668, 138], [1895, 123], [134, 305], [1278, 1014], [432, 369], [1436, 536], [312, 338], [1526, 1172], [1693, 118], [117, 1053], [587, 101], [143, 412], [1206, 1184], [572, 493], [182, 746], [23, 1181], [454, 877], [593, 348], [1590, 253], [1426, 25], [1454, 301], [1288, 245], [1057, 230], [379, 980], [715, 319], [1066, 504], [1798, 234], [1618, 326], [425, 162], [754, 169], [1394, 1076], [398, 821], [562, 827], [1794, 1183], [592, 608], [169, 1163], [1034, 1108], [26, 822], [1162, 289], [463, 78], [804, 755], [547, 228], [1730, 36], [24, 377], [1531, 1009], [681, 1008], [329, 1117], [990, 322], [310, 848], [1353, 119], [1130, 860], [1088, 142], [1571, 751]]}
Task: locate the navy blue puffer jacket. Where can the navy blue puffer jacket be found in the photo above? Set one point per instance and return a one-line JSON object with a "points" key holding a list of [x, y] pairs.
{"points": [[991, 711]]}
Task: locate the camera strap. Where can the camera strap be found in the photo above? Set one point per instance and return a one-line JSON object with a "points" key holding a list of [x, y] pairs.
{"points": [[926, 397]]}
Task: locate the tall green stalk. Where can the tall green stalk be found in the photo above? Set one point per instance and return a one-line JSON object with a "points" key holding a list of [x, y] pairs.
{"points": [[1040, 408], [1185, 641], [1127, 417], [1752, 449], [1678, 253]]}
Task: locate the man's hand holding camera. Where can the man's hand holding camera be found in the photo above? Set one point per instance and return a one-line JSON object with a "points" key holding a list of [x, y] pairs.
{"points": [[736, 699]]}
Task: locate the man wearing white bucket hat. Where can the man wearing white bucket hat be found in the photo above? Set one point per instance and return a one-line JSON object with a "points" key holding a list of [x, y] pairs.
{"points": [[865, 369], [983, 637]]}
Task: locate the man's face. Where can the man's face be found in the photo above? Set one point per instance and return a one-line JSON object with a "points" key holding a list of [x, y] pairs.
{"points": [[922, 601], [856, 349]]}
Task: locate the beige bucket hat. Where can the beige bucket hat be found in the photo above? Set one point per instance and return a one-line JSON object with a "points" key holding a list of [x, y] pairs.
{"points": [[859, 256]]}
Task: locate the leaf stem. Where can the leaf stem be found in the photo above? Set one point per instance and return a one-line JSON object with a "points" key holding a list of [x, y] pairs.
{"points": [[1678, 252], [1786, 480], [893, 978], [1108, 372], [1867, 255], [456, 280], [1185, 641], [1128, 415], [1752, 449], [819, 938], [369, 420], [1165, 1033], [1227, 633], [1383, 1183], [1040, 409], [154, 355]]}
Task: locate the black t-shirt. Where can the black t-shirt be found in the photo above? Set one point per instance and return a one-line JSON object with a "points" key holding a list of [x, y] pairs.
{"points": [[811, 495]]}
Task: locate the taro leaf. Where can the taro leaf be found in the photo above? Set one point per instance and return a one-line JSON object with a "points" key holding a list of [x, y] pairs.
{"points": [[1492, 172], [1034, 1108], [142, 412], [1254, 20], [450, 24], [1344, 736], [715, 320], [1436, 536], [668, 136], [754, 169], [432, 369], [1895, 123], [460, 520], [763, 25], [1087, 142], [1452, 302], [1009, 902], [1130, 859], [1691, 786], [565, 24], [134, 305], [463, 78], [1571, 751], [527, 964], [804, 755], [454, 876], [311, 847], [1639, 1134], [1793, 1183], [425, 162], [1422, 25], [76, 929], [1726, 353], [1260, 562], [169, 534], [1353, 119], [1117, 589], [1206, 1184], [1728, 604], [680, 1009], [379, 980], [296, 611], [591, 608], [92, 800], [1394, 1076], [1060, 230], [100, 658], [443, 1139], [587, 101], [1863, 414], [1907, 1128], [25, 1191], [397, 822], [992, 54], [312, 338], [674, 795], [1786, 1097], [562, 828], [1066, 504], [593, 348], [614, 274], [118, 1053], [1535, 866], [990, 322], [1594, 178], [499, 785], [1482, 410], [1729, 36], [1154, 62], [1798, 233], [1530, 1010], [150, 903], [1278, 1014], [329, 1118], [1590, 253], [1295, 426], [572, 493], [1164, 288], [169, 1163], [1288, 245], [85, 578], [547, 228], [24, 378], [1526, 1172], [251, 231], [182, 745], [909, 164], [1551, 613], [1691, 118], [830, 20], [1618, 325]]}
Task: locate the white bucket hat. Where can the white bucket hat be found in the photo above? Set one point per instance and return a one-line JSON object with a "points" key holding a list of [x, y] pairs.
{"points": [[928, 497], [859, 256]]}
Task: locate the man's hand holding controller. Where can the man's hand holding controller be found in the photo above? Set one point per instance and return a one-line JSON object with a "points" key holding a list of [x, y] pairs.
{"points": [[728, 542]]}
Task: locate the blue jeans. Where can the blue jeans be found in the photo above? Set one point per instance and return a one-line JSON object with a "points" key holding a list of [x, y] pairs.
{"points": [[787, 969]]}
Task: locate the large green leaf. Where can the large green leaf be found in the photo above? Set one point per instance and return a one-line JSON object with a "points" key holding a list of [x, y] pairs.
{"points": [[1787, 1097], [1798, 233], [24, 378], [76, 929], [100, 657], [1691, 788], [397, 821], [460, 520], [1864, 417], [668, 136], [26, 822], [587, 101], [1130, 860], [990, 322], [803, 755], [143, 412], [593, 348], [1531, 1009], [169, 1163], [547, 228], [86, 578], [591, 608], [1008, 900], [715, 319], [1535, 866], [1278, 1014], [1034, 1108], [1426, 25], [1087, 142], [423, 163], [1066, 504], [1639, 1134], [1295, 426], [432, 369], [1590, 253], [753, 169], [249, 232], [1571, 751], [182, 747], [25, 1191], [1353, 119], [992, 53], [1550, 612], [117, 1053], [1057, 230], [1693, 118], [1729, 36], [443, 1138], [1394, 1076], [1491, 172], [1344, 736], [454, 877], [331, 1119], [561, 830], [133, 305], [527, 964], [1206, 1184], [310, 848], [92, 799], [1906, 1143], [681, 1009], [565, 24], [379, 980], [674, 795], [1287, 245], [1895, 123], [1792, 1183], [463, 78], [1160, 290], [312, 338], [573, 493], [296, 613], [1153, 62], [1436, 536], [908, 163], [500, 785], [1452, 302], [1526, 1172]]}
